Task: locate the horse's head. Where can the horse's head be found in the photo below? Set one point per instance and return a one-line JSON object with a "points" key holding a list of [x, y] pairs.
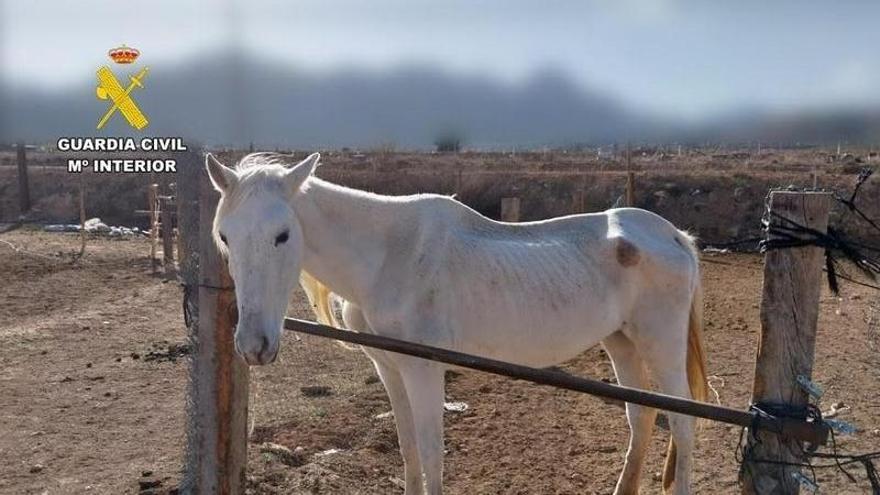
{"points": [[255, 226]]}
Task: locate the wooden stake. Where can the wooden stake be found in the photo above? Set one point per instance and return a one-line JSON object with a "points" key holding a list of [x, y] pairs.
{"points": [[82, 215], [630, 189], [217, 443], [629, 194], [24, 191], [167, 235], [577, 200], [152, 199], [510, 209], [789, 310]]}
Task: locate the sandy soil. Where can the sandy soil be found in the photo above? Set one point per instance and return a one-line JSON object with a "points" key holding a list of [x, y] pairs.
{"points": [[92, 397]]}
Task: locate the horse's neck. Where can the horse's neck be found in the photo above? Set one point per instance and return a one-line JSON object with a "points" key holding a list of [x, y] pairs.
{"points": [[346, 235]]}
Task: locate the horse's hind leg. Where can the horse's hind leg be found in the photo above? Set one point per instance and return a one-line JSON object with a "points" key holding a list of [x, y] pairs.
{"points": [[630, 371], [661, 339]]}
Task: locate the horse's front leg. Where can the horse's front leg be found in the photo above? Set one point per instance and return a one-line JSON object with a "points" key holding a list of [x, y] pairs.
{"points": [[406, 435], [403, 418], [424, 381]]}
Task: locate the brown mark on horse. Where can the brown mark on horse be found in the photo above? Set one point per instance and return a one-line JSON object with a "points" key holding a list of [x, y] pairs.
{"points": [[627, 253]]}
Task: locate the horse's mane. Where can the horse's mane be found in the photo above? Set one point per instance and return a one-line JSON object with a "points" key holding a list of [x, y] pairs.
{"points": [[262, 158]]}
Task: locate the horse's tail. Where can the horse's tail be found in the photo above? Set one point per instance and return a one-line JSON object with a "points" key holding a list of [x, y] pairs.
{"points": [[319, 299], [696, 359]]}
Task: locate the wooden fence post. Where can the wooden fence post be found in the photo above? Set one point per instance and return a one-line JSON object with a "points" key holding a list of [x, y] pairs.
{"points": [[24, 191], [167, 221], [789, 311], [630, 189], [629, 196], [218, 389], [153, 200], [510, 209], [577, 201], [82, 215]]}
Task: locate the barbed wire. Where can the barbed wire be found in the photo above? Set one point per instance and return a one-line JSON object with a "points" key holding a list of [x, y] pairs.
{"points": [[850, 202], [783, 233], [745, 450]]}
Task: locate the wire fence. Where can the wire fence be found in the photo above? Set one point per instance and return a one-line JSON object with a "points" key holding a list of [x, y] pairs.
{"points": [[841, 250]]}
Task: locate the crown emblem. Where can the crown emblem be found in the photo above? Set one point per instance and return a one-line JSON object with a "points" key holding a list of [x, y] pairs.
{"points": [[124, 54]]}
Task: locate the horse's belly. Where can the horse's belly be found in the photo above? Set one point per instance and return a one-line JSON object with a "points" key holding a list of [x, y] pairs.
{"points": [[533, 336]]}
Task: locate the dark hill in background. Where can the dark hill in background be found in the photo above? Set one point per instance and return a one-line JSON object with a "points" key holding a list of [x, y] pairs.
{"points": [[224, 101]]}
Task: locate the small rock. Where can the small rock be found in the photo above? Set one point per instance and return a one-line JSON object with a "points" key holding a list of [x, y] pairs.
{"points": [[284, 454], [135, 355], [384, 415], [455, 406], [88, 365], [328, 452], [147, 483], [316, 390], [371, 379], [36, 468], [146, 473]]}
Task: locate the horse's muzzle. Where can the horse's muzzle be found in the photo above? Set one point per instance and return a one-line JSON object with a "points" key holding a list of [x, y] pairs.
{"points": [[256, 350]]}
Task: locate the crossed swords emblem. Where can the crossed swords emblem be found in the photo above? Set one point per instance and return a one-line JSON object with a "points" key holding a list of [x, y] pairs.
{"points": [[110, 88]]}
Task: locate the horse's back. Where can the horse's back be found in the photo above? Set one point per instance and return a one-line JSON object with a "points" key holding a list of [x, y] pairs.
{"points": [[665, 247], [624, 234]]}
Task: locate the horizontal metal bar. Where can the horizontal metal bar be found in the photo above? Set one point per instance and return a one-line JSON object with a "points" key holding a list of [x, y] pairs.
{"points": [[814, 433]]}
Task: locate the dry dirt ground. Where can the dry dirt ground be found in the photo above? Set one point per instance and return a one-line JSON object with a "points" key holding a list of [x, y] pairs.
{"points": [[92, 397]]}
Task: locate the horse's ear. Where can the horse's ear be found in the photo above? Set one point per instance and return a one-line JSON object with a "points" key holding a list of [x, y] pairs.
{"points": [[297, 174], [221, 176]]}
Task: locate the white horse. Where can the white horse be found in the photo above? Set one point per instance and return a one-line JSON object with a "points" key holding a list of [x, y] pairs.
{"points": [[428, 269]]}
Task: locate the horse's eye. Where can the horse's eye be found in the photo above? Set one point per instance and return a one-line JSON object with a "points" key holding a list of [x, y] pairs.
{"points": [[282, 238], [223, 238]]}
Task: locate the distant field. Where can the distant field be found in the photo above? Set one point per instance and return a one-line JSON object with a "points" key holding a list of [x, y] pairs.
{"points": [[718, 194]]}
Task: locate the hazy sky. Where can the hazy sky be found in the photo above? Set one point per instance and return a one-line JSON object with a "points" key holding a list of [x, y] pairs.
{"points": [[684, 58]]}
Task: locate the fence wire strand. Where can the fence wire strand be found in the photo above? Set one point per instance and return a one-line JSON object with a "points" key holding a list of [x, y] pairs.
{"points": [[744, 452], [840, 249]]}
